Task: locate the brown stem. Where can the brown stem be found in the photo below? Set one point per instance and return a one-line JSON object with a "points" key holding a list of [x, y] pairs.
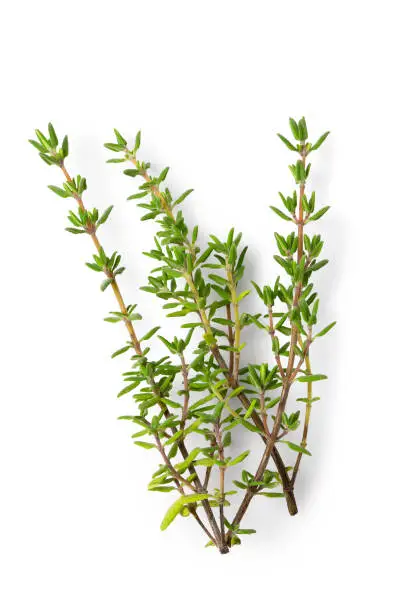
{"points": [[202, 525], [137, 347], [193, 471], [287, 487], [169, 212], [287, 381], [207, 477], [176, 475], [306, 423], [220, 446], [265, 459], [289, 495], [200, 488], [277, 459], [114, 284], [218, 541]]}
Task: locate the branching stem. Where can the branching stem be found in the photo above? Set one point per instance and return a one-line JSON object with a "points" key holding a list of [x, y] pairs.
{"points": [[137, 347], [287, 487]]}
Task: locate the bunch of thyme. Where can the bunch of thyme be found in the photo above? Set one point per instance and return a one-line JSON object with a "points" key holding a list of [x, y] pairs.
{"points": [[215, 393]]}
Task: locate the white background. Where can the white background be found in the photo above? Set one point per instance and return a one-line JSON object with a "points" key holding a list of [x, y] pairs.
{"points": [[209, 84]]}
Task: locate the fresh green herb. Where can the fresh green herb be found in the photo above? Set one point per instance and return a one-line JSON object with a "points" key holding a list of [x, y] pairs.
{"points": [[202, 387]]}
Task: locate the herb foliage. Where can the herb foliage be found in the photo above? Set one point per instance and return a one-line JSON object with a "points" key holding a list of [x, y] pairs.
{"points": [[216, 394]]}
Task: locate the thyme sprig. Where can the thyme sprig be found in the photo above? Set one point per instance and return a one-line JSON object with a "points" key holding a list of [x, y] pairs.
{"points": [[201, 385]]}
